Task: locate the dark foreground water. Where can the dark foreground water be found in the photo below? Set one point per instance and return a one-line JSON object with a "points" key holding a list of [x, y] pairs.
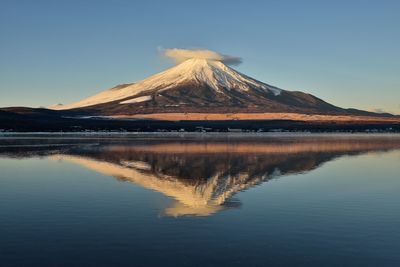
{"points": [[200, 200]]}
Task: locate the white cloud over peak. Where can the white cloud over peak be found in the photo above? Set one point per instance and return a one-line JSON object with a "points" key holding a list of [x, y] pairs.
{"points": [[179, 55]]}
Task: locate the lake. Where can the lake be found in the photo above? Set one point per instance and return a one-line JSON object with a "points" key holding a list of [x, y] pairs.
{"points": [[199, 200]]}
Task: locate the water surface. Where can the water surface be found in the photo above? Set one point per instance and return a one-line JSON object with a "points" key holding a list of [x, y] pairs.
{"points": [[200, 200]]}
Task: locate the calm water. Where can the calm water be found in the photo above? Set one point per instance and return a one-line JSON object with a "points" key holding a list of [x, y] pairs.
{"points": [[200, 200]]}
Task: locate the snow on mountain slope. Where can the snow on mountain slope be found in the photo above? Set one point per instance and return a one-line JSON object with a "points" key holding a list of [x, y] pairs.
{"points": [[214, 73]]}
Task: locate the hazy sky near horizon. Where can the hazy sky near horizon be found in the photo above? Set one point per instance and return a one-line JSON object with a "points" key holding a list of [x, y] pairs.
{"points": [[345, 52]]}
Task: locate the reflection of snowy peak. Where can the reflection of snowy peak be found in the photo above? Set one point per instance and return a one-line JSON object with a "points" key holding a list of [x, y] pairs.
{"points": [[202, 175], [214, 74], [200, 197]]}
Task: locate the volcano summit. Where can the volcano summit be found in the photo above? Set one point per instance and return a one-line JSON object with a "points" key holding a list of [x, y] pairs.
{"points": [[201, 86]]}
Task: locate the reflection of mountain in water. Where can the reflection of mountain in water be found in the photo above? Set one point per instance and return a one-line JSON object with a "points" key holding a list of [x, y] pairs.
{"points": [[203, 175]]}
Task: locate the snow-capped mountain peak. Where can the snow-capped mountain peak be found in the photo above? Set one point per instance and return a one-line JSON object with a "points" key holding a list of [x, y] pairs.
{"points": [[213, 73]]}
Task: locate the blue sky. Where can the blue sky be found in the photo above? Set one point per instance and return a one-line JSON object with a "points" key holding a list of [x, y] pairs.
{"points": [[345, 52]]}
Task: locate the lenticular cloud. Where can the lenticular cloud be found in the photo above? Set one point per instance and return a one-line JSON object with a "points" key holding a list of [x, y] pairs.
{"points": [[180, 55]]}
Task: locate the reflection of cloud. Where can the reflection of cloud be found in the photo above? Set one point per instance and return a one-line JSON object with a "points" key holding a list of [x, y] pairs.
{"points": [[180, 55], [179, 209]]}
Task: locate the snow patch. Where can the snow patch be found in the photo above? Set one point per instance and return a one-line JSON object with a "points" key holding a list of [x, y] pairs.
{"points": [[137, 99]]}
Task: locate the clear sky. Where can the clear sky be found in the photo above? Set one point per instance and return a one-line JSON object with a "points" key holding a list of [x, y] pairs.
{"points": [[345, 52]]}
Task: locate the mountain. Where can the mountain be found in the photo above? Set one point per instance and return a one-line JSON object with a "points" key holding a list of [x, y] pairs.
{"points": [[202, 86]]}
